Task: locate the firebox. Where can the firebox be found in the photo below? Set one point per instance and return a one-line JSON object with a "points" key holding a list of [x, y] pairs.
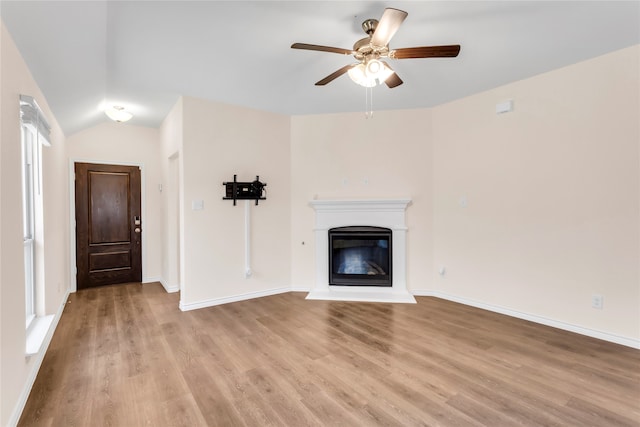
{"points": [[360, 256]]}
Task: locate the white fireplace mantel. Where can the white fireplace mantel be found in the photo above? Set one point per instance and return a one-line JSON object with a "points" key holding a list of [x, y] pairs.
{"points": [[388, 213]]}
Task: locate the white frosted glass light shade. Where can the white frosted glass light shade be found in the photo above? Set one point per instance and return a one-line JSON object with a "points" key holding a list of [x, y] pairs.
{"points": [[383, 73], [372, 74], [118, 114], [359, 76]]}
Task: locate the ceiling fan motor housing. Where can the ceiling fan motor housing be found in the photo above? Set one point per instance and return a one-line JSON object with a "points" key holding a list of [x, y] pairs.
{"points": [[363, 49], [369, 26]]}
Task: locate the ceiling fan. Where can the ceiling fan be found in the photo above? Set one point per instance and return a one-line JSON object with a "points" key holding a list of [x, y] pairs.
{"points": [[370, 70]]}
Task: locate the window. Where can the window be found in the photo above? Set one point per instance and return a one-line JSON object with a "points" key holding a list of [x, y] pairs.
{"points": [[34, 134]]}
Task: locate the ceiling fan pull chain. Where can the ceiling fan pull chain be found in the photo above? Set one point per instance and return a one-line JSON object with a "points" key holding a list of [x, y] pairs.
{"points": [[368, 101]]}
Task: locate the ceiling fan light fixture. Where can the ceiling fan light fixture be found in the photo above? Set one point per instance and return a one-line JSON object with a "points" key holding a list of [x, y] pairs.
{"points": [[371, 74], [359, 76], [118, 114], [373, 68], [378, 70]]}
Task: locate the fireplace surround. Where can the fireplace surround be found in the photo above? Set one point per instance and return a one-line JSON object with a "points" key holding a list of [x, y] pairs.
{"points": [[380, 213]]}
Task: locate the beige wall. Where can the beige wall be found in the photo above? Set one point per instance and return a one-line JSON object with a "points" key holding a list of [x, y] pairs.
{"points": [[551, 189], [349, 156], [220, 141], [120, 143], [553, 195], [17, 371]]}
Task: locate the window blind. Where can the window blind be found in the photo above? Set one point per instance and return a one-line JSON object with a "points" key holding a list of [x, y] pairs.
{"points": [[31, 115]]}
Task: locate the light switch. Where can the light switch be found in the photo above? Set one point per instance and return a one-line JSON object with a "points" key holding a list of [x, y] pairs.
{"points": [[197, 205]]}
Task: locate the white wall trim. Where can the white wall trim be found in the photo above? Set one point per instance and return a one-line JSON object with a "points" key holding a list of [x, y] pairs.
{"points": [[38, 358], [301, 288], [73, 285], [617, 339], [168, 288], [233, 298]]}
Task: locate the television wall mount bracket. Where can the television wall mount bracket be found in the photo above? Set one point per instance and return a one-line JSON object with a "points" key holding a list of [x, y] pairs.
{"points": [[244, 190]]}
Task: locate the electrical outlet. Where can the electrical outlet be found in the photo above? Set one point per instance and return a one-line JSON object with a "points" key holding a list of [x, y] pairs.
{"points": [[597, 301]]}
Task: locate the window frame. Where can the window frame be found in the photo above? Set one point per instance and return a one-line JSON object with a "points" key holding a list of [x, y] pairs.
{"points": [[34, 134], [28, 219]]}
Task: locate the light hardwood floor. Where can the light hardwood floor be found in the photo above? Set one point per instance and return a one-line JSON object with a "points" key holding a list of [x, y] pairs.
{"points": [[126, 356]]}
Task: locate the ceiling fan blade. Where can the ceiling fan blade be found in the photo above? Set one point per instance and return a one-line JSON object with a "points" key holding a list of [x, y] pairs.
{"points": [[306, 46], [331, 77], [387, 26], [393, 80], [448, 51]]}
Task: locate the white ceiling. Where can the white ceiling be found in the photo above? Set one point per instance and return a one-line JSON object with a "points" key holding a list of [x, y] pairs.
{"points": [[145, 54]]}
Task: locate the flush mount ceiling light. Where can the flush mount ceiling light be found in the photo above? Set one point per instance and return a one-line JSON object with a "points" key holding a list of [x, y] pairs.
{"points": [[118, 114]]}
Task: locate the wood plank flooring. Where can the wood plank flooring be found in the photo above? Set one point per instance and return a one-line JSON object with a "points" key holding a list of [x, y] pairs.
{"points": [[125, 355]]}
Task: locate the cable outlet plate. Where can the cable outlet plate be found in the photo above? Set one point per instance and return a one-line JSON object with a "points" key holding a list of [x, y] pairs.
{"points": [[597, 301]]}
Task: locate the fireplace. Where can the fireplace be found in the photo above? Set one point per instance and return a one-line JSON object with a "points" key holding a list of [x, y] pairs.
{"points": [[360, 256], [373, 221]]}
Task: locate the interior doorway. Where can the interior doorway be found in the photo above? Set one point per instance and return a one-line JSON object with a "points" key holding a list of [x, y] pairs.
{"points": [[173, 224]]}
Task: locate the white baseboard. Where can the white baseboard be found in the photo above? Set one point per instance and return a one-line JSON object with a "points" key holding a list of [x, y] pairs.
{"points": [[629, 342], [169, 289], [300, 288], [38, 358], [234, 298]]}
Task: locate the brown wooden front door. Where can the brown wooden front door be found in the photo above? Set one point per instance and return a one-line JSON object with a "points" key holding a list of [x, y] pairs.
{"points": [[108, 225]]}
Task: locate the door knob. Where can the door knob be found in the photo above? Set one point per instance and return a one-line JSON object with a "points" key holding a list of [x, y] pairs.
{"points": [[137, 229]]}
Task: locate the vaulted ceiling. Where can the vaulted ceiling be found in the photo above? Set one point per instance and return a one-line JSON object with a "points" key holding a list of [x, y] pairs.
{"points": [[145, 54]]}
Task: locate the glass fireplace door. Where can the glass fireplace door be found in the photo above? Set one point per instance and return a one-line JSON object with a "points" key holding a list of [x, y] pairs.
{"points": [[360, 256]]}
